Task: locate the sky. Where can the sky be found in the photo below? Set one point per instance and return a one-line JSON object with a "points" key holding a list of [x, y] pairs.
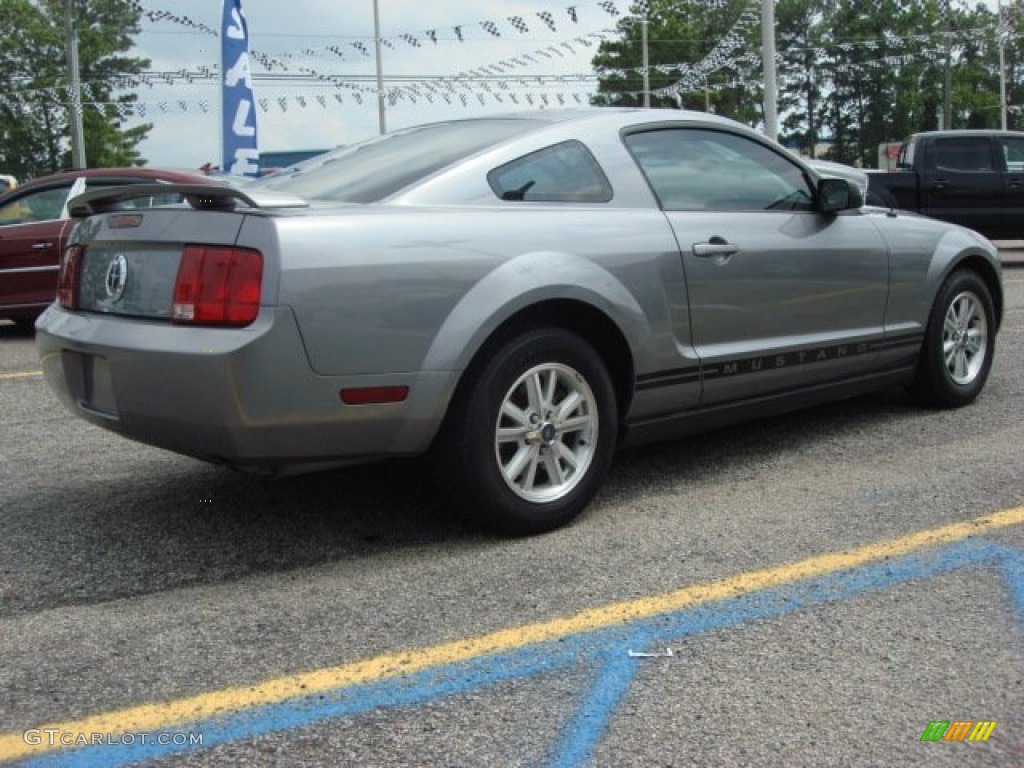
{"points": [[546, 62], [329, 37]]}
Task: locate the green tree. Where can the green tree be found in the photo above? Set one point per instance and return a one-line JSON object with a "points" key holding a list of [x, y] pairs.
{"points": [[35, 134], [800, 29], [849, 74], [975, 92], [26, 53], [1014, 72], [691, 46]]}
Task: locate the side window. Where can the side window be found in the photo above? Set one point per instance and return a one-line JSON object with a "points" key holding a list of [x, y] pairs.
{"points": [[693, 169], [563, 173], [1013, 154], [964, 154], [39, 205]]}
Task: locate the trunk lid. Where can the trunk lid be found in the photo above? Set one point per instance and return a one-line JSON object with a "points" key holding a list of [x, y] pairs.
{"points": [[129, 258]]}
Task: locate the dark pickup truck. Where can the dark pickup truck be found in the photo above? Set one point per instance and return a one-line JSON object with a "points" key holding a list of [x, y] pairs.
{"points": [[972, 177]]}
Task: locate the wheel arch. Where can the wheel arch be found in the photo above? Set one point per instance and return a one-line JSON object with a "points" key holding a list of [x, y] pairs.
{"points": [[958, 248], [556, 289], [988, 274], [585, 320]]}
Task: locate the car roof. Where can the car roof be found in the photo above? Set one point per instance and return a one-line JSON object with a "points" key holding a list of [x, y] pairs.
{"points": [[603, 114], [962, 132]]}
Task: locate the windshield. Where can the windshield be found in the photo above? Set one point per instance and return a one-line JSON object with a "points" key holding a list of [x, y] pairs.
{"points": [[374, 169]]}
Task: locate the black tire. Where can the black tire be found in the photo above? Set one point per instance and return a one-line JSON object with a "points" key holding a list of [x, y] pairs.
{"points": [[958, 344], [514, 460]]}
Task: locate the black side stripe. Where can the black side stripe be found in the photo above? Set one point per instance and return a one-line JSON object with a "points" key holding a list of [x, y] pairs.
{"points": [[670, 378], [911, 339], [764, 363]]}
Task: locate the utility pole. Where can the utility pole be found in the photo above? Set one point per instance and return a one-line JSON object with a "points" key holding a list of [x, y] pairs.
{"points": [[647, 62], [75, 105], [1001, 37], [771, 91], [381, 121], [947, 105]]}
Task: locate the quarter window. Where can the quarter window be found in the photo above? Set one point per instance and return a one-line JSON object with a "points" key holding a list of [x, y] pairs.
{"points": [[693, 169], [563, 173]]}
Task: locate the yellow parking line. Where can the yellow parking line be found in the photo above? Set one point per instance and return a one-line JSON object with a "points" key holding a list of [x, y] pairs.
{"points": [[160, 716], [20, 375]]}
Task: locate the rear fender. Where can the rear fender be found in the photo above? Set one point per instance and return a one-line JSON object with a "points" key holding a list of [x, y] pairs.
{"points": [[520, 283]]}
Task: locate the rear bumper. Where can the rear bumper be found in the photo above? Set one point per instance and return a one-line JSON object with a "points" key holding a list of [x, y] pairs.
{"points": [[245, 397]]}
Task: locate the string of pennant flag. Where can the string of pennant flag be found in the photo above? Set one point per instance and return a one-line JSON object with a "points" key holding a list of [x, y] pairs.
{"points": [[692, 76], [533, 91], [520, 24], [499, 82]]}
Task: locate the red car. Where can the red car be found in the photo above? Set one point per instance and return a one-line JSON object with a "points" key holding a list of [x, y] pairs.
{"points": [[34, 228]]}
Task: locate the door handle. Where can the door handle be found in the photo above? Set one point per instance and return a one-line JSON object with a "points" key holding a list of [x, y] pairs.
{"points": [[42, 246], [715, 248]]}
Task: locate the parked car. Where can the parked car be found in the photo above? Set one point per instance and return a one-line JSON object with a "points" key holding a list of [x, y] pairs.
{"points": [[34, 229], [515, 297], [972, 177]]}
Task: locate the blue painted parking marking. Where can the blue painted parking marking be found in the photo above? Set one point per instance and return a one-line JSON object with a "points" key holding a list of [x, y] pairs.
{"points": [[604, 651]]}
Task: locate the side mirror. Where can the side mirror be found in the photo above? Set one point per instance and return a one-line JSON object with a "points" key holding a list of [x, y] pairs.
{"points": [[836, 195]]}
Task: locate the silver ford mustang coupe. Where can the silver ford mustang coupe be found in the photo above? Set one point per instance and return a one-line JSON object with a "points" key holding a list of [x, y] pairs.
{"points": [[514, 297]]}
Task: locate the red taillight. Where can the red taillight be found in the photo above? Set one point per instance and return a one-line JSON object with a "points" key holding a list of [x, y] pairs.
{"points": [[67, 278], [218, 286]]}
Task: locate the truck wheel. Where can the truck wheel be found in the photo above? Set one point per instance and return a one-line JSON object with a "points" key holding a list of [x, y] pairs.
{"points": [[530, 438], [958, 345]]}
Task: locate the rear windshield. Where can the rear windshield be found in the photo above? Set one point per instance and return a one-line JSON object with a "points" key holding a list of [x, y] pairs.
{"points": [[374, 169]]}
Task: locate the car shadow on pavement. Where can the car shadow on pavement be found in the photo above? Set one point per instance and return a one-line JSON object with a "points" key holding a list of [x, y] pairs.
{"points": [[11, 330], [176, 522], [136, 520]]}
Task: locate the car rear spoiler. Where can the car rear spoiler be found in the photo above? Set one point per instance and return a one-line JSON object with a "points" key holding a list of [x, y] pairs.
{"points": [[202, 197]]}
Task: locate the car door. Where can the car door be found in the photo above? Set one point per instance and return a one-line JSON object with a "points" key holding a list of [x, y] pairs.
{"points": [[780, 296], [962, 183], [32, 234]]}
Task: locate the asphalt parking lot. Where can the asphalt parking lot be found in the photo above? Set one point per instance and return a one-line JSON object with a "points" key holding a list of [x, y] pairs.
{"points": [[809, 590]]}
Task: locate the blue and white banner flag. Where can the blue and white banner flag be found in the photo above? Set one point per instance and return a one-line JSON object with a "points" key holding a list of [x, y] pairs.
{"points": [[240, 152]]}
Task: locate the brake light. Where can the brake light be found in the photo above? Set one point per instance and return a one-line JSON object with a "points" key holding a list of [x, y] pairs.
{"points": [[218, 286], [67, 278]]}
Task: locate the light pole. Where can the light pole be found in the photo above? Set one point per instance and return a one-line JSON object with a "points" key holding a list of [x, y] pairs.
{"points": [[647, 62], [947, 100], [1000, 34], [771, 117], [75, 97], [381, 121]]}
